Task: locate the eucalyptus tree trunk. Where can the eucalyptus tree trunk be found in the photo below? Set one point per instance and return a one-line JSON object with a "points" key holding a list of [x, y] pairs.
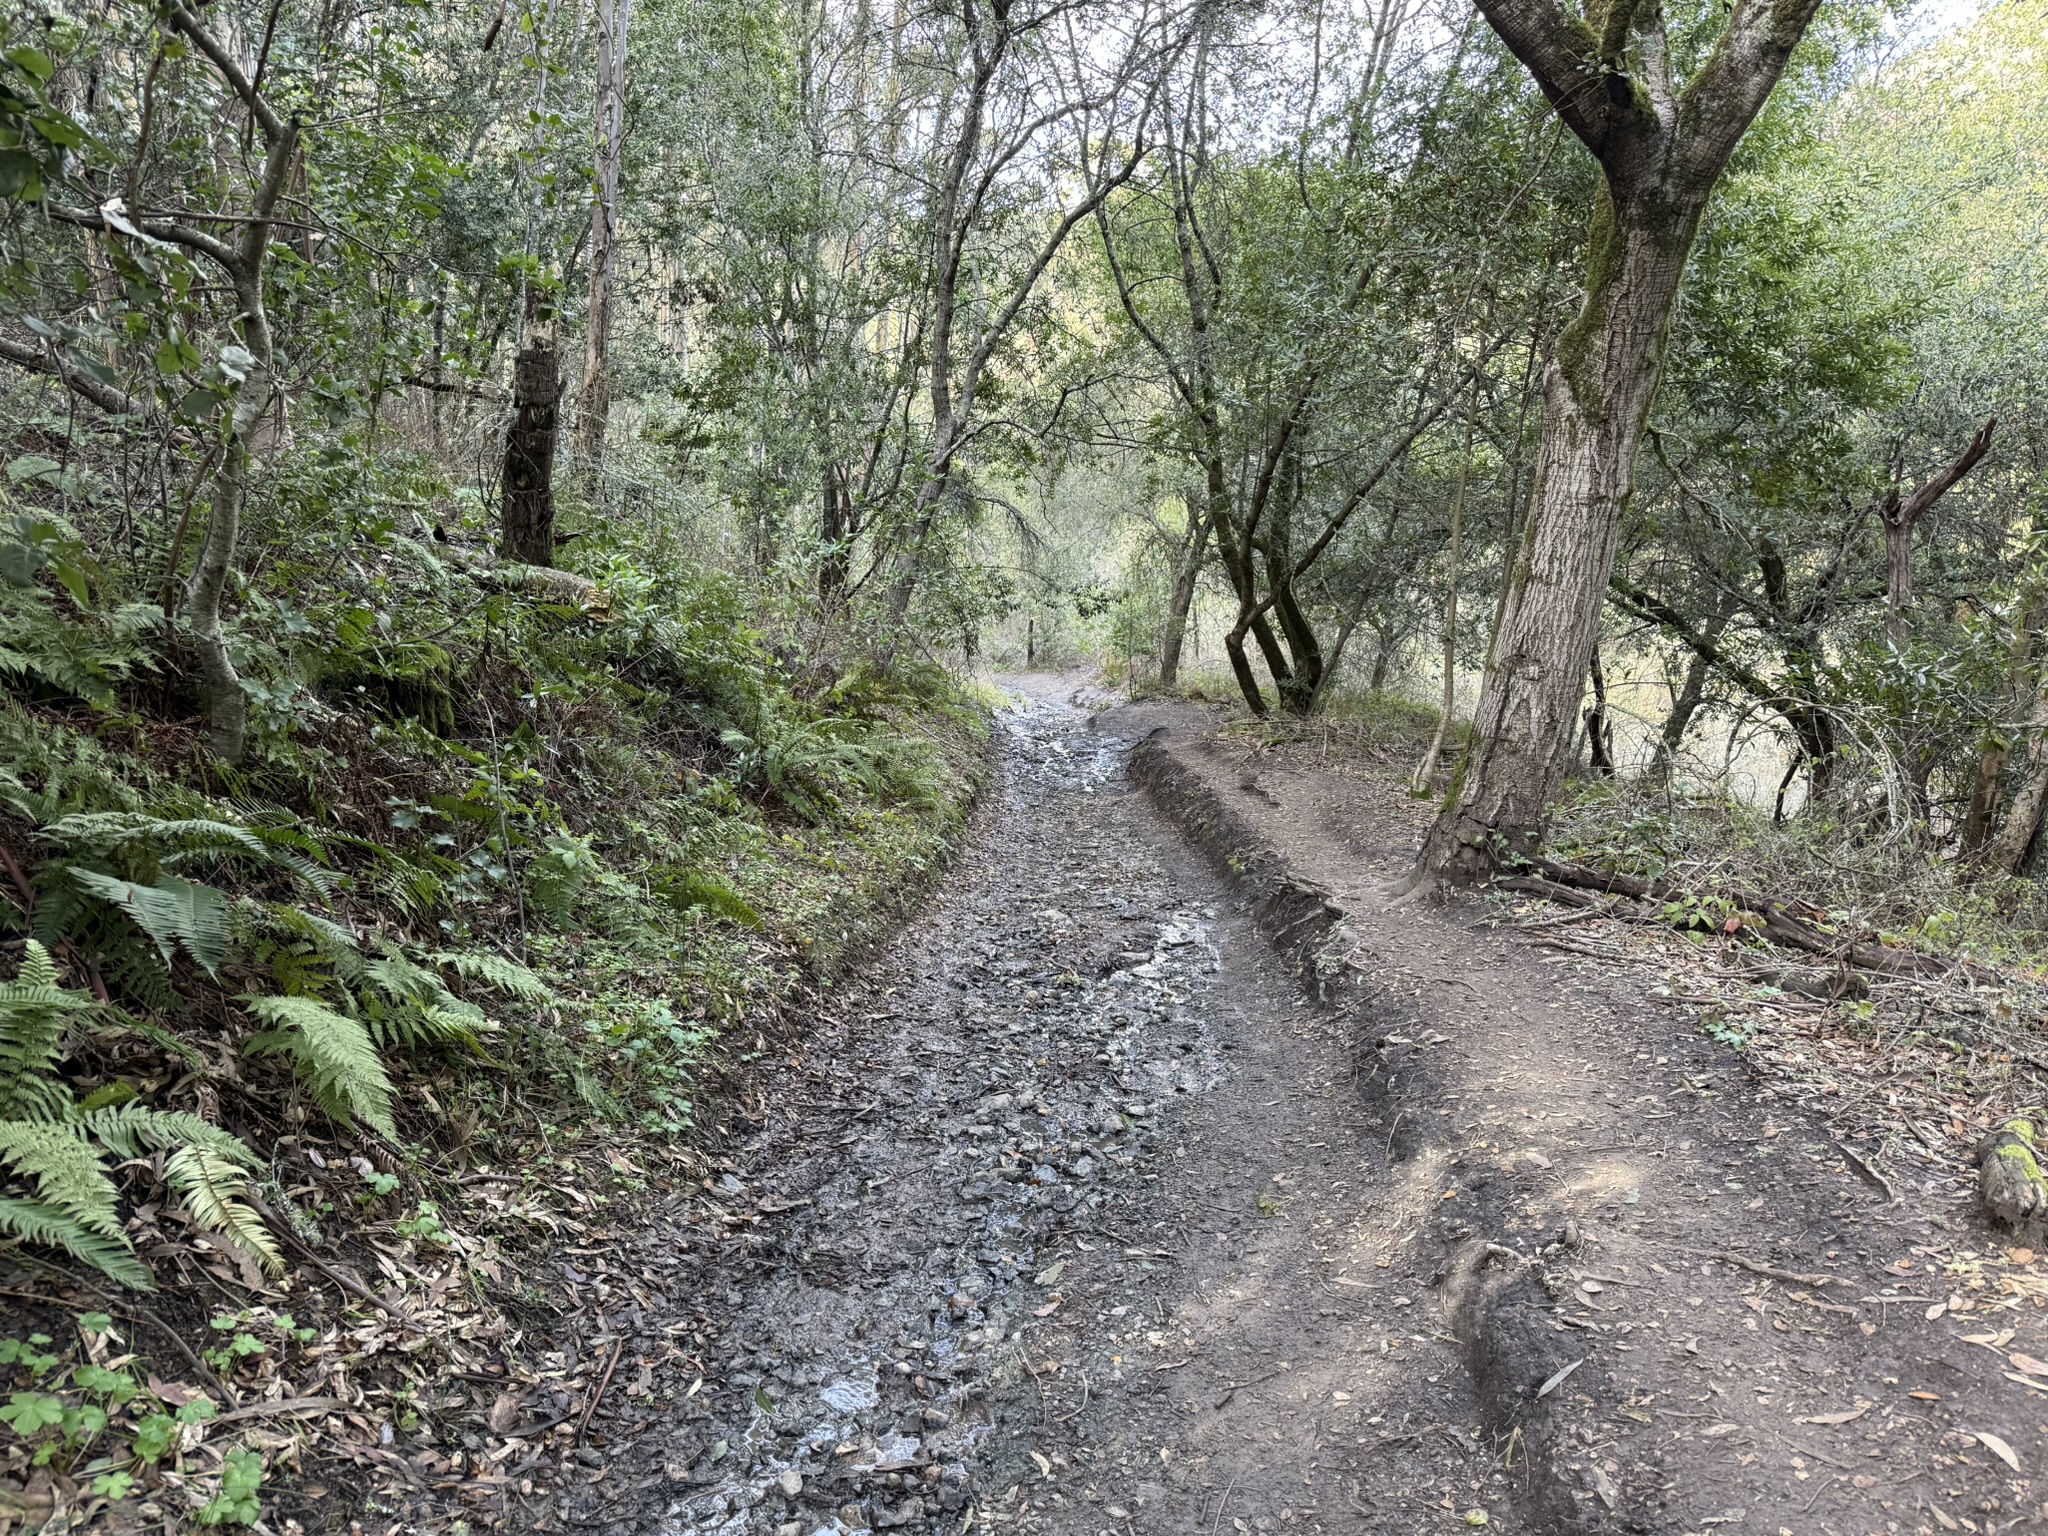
{"points": [[1661, 151], [593, 409]]}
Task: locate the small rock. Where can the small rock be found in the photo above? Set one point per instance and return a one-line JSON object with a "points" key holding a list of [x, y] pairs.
{"points": [[790, 1481]]}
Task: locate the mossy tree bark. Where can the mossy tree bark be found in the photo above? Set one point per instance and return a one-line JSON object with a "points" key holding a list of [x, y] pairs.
{"points": [[1661, 149]]}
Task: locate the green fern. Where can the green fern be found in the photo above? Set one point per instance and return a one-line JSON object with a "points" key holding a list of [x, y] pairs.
{"points": [[55, 1144], [175, 913], [83, 658], [68, 1174], [32, 1221], [32, 1013], [333, 1054], [213, 1188], [507, 976], [144, 842], [134, 1131]]}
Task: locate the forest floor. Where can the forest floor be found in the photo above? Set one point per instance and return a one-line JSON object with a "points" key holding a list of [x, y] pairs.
{"points": [[1171, 1178]]}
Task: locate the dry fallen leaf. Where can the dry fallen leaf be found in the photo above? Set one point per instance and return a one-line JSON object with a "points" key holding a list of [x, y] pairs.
{"points": [[1044, 1465], [1716, 1431], [505, 1412], [2028, 1364], [1847, 1415], [1925, 1397], [1997, 1447]]}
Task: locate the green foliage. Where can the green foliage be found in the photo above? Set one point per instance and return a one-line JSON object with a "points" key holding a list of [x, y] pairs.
{"points": [[56, 1144], [334, 1055], [175, 913], [241, 1479]]}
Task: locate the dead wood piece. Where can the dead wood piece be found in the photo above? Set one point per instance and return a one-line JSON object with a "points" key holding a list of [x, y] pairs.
{"points": [[1779, 925], [2010, 1180], [1769, 1271]]}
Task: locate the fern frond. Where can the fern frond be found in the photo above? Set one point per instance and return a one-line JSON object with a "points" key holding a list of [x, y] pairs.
{"points": [[212, 1189], [335, 943], [31, 1221], [333, 1054], [68, 1173], [393, 974], [175, 913], [32, 1012], [508, 976], [301, 854], [131, 1130], [133, 833]]}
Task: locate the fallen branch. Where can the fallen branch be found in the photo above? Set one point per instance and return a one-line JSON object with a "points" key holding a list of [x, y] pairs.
{"points": [[1769, 1271], [1779, 925]]}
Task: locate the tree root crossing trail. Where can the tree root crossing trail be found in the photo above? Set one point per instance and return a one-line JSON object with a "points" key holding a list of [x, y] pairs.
{"points": [[1078, 1214]]}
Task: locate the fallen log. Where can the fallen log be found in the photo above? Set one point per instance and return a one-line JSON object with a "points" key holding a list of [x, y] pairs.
{"points": [[1779, 925]]}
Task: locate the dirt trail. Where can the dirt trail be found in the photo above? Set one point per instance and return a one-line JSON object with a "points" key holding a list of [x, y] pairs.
{"points": [[1078, 1215]]}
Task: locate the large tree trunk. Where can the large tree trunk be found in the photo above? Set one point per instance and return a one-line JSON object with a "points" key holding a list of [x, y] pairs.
{"points": [[593, 410], [526, 513], [1661, 149], [1597, 394]]}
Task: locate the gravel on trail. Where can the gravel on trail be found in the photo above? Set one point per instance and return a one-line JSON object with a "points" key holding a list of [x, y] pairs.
{"points": [[1038, 1231], [1165, 1177]]}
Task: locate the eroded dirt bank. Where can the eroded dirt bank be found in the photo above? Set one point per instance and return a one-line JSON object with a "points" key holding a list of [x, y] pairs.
{"points": [[1079, 1216]]}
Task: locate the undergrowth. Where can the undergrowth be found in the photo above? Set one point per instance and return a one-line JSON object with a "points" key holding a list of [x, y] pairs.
{"points": [[1867, 875], [510, 852]]}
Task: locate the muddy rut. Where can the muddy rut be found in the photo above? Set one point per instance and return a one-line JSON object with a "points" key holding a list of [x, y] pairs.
{"points": [[1097, 1203]]}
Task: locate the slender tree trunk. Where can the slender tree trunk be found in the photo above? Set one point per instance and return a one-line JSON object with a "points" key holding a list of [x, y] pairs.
{"points": [[227, 706], [1685, 703], [1995, 754], [2007, 852], [1186, 577], [526, 514], [835, 533], [1901, 515], [1599, 728], [1425, 771], [593, 409], [1383, 658]]}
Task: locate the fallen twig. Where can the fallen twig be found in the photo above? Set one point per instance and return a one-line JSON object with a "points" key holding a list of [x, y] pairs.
{"points": [[1770, 1271], [590, 1408], [1869, 1172]]}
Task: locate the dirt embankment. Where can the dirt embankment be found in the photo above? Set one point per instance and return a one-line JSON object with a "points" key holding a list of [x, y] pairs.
{"points": [[1682, 1302]]}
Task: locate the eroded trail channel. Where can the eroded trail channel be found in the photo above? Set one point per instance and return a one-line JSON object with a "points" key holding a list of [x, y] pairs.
{"points": [[1046, 1230]]}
